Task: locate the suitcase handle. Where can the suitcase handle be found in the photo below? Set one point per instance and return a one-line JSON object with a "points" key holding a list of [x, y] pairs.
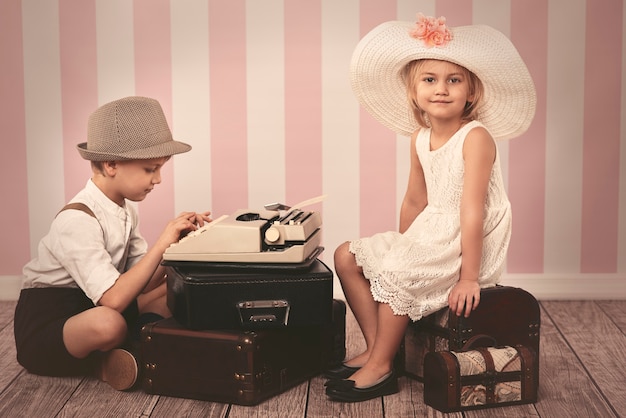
{"points": [[488, 341], [267, 312]]}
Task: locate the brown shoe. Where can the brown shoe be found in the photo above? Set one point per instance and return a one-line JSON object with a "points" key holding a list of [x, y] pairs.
{"points": [[118, 368]]}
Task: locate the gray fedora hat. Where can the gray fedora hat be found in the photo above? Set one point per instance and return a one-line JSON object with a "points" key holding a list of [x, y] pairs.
{"points": [[131, 128]]}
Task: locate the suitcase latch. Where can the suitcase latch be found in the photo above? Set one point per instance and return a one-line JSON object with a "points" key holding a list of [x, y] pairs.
{"points": [[264, 312]]}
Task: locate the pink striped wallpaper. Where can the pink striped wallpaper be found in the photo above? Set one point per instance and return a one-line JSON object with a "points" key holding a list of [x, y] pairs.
{"points": [[529, 32], [261, 92], [601, 133], [227, 77], [14, 219]]}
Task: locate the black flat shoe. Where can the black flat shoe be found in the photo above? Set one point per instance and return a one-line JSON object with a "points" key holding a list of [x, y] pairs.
{"points": [[340, 372], [345, 391]]}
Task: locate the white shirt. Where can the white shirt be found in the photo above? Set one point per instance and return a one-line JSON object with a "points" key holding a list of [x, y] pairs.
{"points": [[87, 252]]}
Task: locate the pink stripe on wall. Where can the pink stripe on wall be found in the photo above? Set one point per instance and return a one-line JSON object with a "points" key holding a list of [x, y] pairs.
{"points": [[227, 67], [58, 66], [457, 13], [153, 75], [527, 154], [377, 147], [15, 248], [303, 101], [79, 85], [601, 137]]}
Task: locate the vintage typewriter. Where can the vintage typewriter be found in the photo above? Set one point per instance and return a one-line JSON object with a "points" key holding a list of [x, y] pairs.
{"points": [[246, 236]]}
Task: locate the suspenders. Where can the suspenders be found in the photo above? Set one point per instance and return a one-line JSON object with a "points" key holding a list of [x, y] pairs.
{"points": [[84, 208]]}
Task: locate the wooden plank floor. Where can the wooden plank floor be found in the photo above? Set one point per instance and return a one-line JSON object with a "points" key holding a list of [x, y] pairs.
{"points": [[583, 359]]}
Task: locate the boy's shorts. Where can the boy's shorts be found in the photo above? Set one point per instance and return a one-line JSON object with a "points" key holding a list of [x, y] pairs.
{"points": [[40, 315]]}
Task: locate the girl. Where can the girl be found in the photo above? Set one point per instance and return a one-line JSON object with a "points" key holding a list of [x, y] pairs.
{"points": [[452, 91]]}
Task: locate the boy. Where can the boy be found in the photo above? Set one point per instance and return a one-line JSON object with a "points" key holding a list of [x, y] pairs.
{"points": [[94, 281]]}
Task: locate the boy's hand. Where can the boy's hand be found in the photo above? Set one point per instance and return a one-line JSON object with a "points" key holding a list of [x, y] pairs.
{"points": [[200, 218], [464, 296], [196, 220], [180, 226]]}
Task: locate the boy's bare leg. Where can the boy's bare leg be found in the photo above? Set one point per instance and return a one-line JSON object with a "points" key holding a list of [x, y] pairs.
{"points": [[102, 329], [154, 301], [96, 329]]}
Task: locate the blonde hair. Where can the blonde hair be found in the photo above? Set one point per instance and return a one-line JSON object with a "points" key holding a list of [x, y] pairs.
{"points": [[409, 75]]}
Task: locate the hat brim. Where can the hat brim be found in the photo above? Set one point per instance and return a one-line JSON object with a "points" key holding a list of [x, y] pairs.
{"points": [[509, 98], [165, 149]]}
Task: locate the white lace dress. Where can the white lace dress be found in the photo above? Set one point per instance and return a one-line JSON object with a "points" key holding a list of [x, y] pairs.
{"points": [[414, 272]]}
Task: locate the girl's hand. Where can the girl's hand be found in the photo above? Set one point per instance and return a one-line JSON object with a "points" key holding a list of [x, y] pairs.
{"points": [[464, 296]]}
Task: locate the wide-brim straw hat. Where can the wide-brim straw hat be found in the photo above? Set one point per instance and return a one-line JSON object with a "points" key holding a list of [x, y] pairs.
{"points": [[509, 99], [131, 128]]}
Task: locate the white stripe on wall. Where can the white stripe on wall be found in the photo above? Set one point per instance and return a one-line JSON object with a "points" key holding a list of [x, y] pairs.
{"points": [[406, 11], [115, 52], [44, 131], [191, 104], [340, 136], [563, 210], [115, 49], [265, 56], [498, 15], [495, 14], [265, 109]]}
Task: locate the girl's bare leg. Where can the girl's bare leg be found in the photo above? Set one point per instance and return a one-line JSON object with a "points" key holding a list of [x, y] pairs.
{"points": [[358, 295], [390, 332]]}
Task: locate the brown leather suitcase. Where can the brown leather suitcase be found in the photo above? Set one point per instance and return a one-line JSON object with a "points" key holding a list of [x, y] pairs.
{"points": [[240, 367], [205, 296], [509, 315], [481, 378]]}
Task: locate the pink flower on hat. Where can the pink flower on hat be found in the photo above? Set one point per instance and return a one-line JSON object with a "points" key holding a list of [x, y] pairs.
{"points": [[432, 31]]}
